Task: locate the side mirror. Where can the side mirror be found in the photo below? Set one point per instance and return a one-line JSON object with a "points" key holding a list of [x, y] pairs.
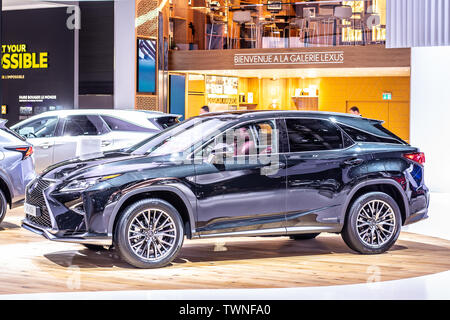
{"points": [[220, 152]]}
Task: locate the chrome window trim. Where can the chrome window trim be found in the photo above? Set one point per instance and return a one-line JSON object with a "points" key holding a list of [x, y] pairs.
{"points": [[334, 123]]}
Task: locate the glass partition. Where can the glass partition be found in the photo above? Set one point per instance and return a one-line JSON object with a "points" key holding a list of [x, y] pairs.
{"points": [[235, 24]]}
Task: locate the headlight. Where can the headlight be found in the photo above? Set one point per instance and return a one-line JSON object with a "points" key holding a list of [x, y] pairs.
{"points": [[80, 185]]}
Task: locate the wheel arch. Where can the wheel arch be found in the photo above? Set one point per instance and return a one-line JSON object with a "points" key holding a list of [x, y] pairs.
{"points": [[171, 194], [390, 187], [5, 188]]}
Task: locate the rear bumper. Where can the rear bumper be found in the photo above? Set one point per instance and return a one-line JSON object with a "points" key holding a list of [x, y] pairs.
{"points": [[420, 214], [416, 217], [50, 234]]}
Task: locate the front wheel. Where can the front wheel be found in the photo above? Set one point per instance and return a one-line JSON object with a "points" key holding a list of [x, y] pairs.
{"points": [[149, 233], [373, 223]]}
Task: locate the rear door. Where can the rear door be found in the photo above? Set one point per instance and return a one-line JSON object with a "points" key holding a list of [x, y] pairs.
{"points": [[80, 135], [322, 164], [125, 134]]}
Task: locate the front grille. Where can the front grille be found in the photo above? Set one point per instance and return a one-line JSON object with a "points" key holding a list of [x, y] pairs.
{"points": [[35, 197]]}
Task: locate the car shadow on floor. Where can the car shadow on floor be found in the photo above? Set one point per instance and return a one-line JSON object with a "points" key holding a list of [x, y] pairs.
{"points": [[87, 258], [214, 252], [265, 249], [8, 226]]}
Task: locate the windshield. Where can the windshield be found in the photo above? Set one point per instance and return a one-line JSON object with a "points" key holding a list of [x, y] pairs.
{"points": [[183, 137]]}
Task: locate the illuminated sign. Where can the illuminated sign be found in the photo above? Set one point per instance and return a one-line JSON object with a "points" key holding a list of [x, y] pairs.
{"points": [[15, 56], [245, 59], [387, 96], [38, 56], [4, 110]]}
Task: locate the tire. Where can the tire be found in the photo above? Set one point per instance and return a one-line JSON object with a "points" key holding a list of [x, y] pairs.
{"points": [[361, 231], [3, 206], [94, 247], [133, 228], [305, 236]]}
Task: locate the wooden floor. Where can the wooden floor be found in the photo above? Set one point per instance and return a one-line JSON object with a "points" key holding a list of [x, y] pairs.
{"points": [[31, 264]]}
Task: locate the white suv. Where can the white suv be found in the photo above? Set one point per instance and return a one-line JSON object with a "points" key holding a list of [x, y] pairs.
{"points": [[65, 134]]}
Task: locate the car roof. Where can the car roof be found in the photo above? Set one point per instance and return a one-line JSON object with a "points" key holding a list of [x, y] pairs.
{"points": [[132, 115], [117, 112], [286, 113]]}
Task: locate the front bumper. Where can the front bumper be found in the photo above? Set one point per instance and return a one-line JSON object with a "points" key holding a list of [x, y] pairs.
{"points": [[53, 235], [68, 217]]}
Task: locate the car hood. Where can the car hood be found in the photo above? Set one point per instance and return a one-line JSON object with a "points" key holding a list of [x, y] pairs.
{"points": [[106, 164]]}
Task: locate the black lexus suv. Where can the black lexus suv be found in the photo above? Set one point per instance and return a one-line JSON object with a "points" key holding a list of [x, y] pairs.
{"points": [[255, 173]]}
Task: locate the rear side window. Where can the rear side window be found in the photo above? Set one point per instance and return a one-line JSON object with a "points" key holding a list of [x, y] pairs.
{"points": [[313, 135], [89, 125], [361, 136], [116, 124], [166, 122], [11, 132]]}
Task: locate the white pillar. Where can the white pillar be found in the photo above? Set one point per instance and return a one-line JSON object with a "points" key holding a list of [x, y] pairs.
{"points": [[124, 54], [430, 112]]}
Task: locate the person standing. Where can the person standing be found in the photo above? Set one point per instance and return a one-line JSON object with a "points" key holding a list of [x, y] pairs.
{"points": [[204, 109], [355, 110]]}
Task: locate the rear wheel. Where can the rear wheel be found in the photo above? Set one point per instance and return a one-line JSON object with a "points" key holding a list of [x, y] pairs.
{"points": [[3, 206], [373, 223], [149, 233], [305, 236]]}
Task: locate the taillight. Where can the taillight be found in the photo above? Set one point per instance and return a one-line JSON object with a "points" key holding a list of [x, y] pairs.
{"points": [[25, 151], [418, 157]]}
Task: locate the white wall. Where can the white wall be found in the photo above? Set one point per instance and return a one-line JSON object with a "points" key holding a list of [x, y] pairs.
{"points": [[417, 23], [124, 54], [430, 112]]}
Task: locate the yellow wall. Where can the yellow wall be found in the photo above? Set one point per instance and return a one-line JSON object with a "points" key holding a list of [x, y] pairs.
{"points": [[195, 97], [340, 94], [335, 94]]}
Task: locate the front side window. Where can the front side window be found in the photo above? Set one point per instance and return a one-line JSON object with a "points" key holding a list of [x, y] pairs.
{"points": [[84, 125], [313, 135], [39, 128], [182, 138], [258, 138]]}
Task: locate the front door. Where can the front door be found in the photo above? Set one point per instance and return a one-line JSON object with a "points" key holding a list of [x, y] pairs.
{"points": [[246, 192], [41, 134]]}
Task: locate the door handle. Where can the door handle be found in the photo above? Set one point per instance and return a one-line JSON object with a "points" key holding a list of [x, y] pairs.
{"points": [[45, 145], [353, 162], [106, 143]]}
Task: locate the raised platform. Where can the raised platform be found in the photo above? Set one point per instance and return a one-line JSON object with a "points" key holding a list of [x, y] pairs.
{"points": [[31, 264]]}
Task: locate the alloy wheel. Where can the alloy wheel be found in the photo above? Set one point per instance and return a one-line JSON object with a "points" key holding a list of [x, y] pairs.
{"points": [[376, 223], [152, 234]]}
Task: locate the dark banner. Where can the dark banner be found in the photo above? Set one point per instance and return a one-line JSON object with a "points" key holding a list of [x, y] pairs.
{"points": [[37, 61]]}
